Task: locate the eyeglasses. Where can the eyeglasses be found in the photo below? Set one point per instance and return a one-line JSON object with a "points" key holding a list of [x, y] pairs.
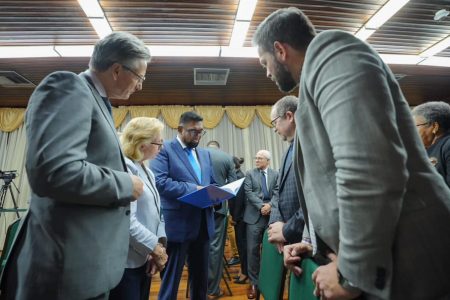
{"points": [[140, 77], [422, 124], [260, 158], [274, 121], [157, 144], [194, 132]]}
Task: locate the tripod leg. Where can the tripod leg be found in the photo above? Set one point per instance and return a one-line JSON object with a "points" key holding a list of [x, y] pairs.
{"points": [[14, 202]]}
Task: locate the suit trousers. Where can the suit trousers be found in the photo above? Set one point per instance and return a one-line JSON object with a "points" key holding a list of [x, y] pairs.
{"points": [[197, 253], [255, 234], [215, 265], [134, 285], [240, 229]]}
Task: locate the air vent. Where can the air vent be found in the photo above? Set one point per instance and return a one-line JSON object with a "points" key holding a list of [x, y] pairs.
{"points": [[11, 79], [208, 76], [399, 76]]}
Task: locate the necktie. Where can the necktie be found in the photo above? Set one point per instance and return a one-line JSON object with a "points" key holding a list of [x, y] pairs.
{"points": [[108, 104], [194, 163], [264, 186], [287, 160]]}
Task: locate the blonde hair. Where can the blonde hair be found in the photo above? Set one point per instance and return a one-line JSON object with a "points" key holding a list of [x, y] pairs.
{"points": [[137, 132]]}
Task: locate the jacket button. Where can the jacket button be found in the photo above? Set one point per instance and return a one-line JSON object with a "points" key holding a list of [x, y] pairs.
{"points": [[127, 212]]}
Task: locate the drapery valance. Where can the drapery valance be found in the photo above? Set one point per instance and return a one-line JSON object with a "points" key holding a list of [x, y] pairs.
{"points": [[240, 116]]}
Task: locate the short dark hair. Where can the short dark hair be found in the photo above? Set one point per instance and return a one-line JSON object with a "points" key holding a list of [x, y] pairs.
{"points": [[238, 161], [190, 116], [434, 111], [285, 104], [286, 25], [118, 47]]}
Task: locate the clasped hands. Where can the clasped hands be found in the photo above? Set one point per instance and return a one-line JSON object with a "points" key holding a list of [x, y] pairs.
{"points": [[156, 260], [325, 278], [265, 209]]}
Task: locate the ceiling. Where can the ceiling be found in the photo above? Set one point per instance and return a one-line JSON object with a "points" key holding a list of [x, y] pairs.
{"points": [[209, 23]]}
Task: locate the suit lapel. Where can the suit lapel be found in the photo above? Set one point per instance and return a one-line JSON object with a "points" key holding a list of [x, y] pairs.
{"points": [[105, 112], [178, 149]]}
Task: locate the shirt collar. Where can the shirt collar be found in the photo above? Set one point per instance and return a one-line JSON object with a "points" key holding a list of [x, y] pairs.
{"points": [[97, 84], [181, 142]]}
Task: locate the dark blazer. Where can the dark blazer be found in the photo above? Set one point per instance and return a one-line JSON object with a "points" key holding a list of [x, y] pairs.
{"points": [[223, 170], [237, 204], [253, 192], [175, 177], [287, 208], [74, 240], [440, 151]]}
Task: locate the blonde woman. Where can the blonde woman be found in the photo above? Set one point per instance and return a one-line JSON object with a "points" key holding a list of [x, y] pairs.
{"points": [[141, 140]]}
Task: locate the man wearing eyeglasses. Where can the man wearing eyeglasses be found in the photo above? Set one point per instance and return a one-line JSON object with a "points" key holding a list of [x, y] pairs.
{"points": [[73, 242], [261, 190], [182, 168]]}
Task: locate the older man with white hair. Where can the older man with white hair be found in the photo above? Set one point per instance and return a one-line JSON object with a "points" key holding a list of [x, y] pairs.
{"points": [[261, 190]]}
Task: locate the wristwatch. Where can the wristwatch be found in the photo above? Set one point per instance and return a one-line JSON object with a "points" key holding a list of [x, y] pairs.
{"points": [[347, 284]]}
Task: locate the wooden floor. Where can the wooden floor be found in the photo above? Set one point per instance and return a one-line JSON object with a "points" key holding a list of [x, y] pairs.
{"points": [[239, 291]]}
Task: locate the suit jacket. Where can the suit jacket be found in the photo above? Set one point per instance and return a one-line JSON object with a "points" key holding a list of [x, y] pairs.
{"points": [[223, 170], [175, 177], [440, 151], [147, 226], [254, 194], [237, 204], [287, 208], [370, 191], [73, 242]]}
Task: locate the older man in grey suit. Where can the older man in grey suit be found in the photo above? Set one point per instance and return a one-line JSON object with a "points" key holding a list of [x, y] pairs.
{"points": [[223, 169], [73, 242], [261, 190], [286, 218], [377, 206]]}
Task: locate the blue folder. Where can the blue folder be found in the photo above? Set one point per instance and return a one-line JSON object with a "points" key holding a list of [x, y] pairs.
{"points": [[212, 195]]}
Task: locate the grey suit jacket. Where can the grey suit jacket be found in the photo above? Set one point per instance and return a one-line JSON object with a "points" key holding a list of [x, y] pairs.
{"points": [[254, 194], [223, 169], [287, 208], [370, 191], [73, 242]]}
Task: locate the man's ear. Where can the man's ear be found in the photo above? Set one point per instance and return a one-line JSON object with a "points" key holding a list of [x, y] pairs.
{"points": [[280, 51], [116, 68], [180, 129]]}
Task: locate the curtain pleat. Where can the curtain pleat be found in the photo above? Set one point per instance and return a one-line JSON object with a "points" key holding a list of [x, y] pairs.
{"points": [[172, 113], [144, 111], [119, 115], [263, 113], [212, 115], [11, 118], [241, 116]]}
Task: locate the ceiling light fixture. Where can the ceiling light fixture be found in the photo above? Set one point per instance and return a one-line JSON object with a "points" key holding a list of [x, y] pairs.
{"points": [[380, 17], [27, 51], [96, 16], [205, 51], [436, 48]]}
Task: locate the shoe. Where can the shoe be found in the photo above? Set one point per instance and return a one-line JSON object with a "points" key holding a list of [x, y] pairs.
{"points": [[215, 296], [241, 281], [234, 261], [251, 291]]}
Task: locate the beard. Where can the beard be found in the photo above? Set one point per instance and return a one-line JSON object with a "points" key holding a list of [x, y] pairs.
{"points": [[192, 144], [284, 79]]}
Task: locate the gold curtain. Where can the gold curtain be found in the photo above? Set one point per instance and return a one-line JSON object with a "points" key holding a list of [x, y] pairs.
{"points": [[263, 113], [119, 115], [11, 118], [172, 113], [144, 111], [241, 116], [212, 115]]}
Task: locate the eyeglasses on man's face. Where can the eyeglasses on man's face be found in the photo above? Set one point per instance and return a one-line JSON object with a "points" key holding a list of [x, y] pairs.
{"points": [[195, 132], [422, 124], [274, 121], [140, 77]]}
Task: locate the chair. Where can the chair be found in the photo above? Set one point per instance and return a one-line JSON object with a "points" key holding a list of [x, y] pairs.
{"points": [[272, 273], [9, 239], [302, 287]]}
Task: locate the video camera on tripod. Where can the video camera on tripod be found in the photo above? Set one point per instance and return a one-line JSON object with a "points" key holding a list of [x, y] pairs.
{"points": [[8, 176]]}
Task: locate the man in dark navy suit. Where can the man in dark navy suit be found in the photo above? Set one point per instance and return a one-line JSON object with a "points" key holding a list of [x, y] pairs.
{"points": [[182, 168], [286, 217]]}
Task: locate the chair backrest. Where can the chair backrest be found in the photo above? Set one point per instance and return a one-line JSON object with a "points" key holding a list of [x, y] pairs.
{"points": [[10, 235], [302, 287], [272, 272]]}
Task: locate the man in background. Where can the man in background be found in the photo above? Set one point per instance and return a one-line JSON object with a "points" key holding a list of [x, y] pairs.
{"points": [[182, 168], [261, 190], [286, 217], [73, 242], [223, 170], [374, 201]]}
